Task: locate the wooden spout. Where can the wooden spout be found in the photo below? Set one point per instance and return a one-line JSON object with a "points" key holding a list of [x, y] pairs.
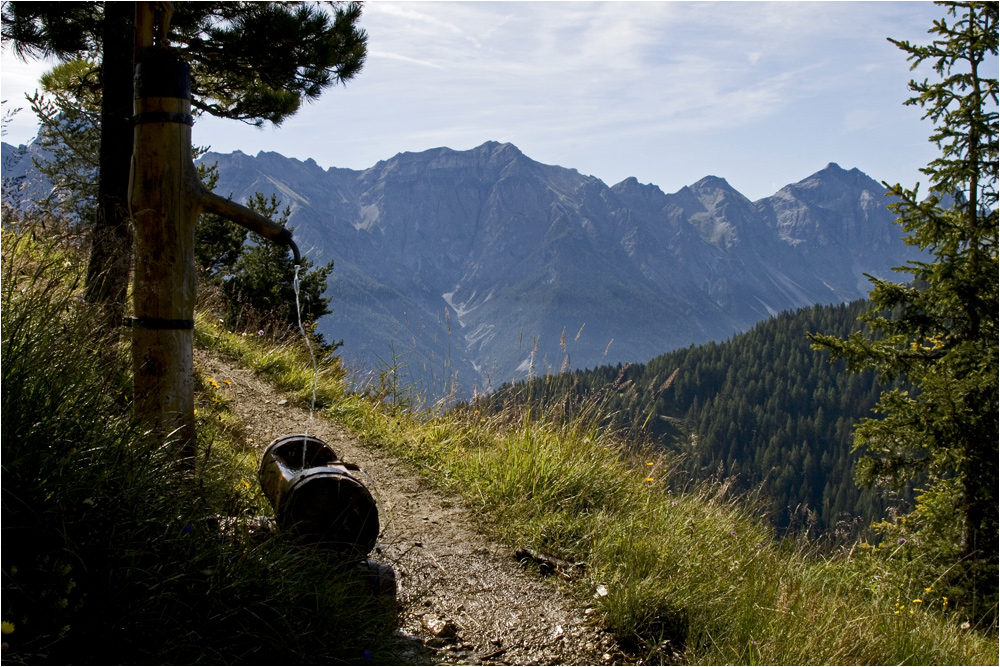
{"points": [[252, 220]]}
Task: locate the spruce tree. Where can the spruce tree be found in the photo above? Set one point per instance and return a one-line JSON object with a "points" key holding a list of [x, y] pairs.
{"points": [[938, 332]]}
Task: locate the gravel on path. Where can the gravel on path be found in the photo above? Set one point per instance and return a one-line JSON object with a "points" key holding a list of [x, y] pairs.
{"points": [[464, 599]]}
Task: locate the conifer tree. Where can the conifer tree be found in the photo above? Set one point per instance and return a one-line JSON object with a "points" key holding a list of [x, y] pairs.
{"points": [[259, 276], [250, 61], [69, 114], [938, 332]]}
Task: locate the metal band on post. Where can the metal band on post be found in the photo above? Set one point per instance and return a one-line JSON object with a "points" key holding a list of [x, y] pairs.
{"points": [[159, 324], [159, 73], [162, 117]]}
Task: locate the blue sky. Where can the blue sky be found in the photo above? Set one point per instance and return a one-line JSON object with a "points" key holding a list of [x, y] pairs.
{"points": [[761, 94]]}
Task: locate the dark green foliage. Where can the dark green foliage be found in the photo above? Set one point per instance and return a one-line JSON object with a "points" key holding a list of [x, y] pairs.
{"points": [[218, 246], [257, 278], [218, 242], [250, 61], [40, 29], [110, 553], [257, 61], [309, 47], [762, 407], [939, 331]]}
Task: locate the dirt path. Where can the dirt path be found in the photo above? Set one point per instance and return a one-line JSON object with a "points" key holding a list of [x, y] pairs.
{"points": [[465, 599]]}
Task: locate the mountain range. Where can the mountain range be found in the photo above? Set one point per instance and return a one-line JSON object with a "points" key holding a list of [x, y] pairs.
{"points": [[472, 268], [481, 266]]}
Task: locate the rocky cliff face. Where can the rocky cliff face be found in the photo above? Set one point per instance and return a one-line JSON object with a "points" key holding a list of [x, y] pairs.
{"points": [[23, 185], [483, 266], [478, 267]]}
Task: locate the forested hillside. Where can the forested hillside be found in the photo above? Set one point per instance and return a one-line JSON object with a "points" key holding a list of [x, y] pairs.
{"points": [[762, 407]]}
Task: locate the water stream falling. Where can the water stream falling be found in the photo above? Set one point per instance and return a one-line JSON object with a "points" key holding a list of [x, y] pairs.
{"points": [[298, 313]]}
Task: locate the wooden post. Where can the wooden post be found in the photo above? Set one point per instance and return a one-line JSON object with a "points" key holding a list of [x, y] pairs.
{"points": [[165, 207], [166, 199]]}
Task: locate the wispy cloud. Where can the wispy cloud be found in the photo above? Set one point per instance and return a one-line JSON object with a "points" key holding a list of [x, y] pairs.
{"points": [[405, 59], [659, 90]]}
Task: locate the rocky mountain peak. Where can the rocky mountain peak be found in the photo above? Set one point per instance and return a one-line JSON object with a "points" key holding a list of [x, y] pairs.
{"points": [[472, 263], [713, 183], [632, 190], [496, 148], [833, 176]]}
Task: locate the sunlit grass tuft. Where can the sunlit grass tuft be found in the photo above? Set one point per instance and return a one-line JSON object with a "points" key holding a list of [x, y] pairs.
{"points": [[286, 364]]}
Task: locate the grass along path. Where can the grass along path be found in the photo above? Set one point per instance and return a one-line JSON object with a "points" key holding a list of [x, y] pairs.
{"points": [[675, 574], [452, 580]]}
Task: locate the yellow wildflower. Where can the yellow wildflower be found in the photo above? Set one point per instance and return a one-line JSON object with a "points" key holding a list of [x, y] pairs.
{"points": [[7, 627]]}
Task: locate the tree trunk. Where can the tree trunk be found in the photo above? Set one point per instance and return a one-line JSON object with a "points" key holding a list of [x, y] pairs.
{"points": [[981, 521], [111, 237]]}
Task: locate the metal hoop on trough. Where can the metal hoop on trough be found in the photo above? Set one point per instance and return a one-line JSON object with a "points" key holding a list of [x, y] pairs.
{"points": [[316, 498]]}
